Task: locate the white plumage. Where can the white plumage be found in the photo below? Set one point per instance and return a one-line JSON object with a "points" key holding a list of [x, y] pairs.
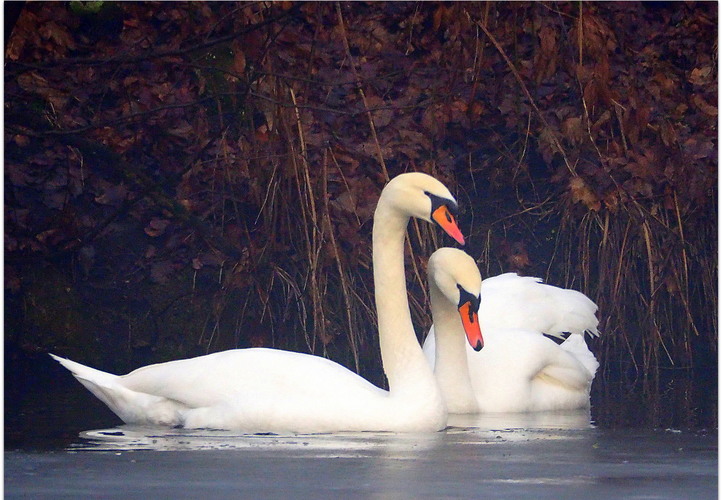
{"points": [[267, 390], [519, 369]]}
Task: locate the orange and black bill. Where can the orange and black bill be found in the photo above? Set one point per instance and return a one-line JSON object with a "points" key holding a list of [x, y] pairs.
{"points": [[443, 213], [469, 312]]}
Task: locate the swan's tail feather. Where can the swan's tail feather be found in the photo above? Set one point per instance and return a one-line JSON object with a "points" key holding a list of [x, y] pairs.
{"points": [[103, 385], [86, 373], [130, 406]]}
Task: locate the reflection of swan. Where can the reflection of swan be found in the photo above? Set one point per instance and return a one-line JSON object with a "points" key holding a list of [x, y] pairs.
{"points": [[565, 419], [130, 437], [268, 390], [520, 369]]}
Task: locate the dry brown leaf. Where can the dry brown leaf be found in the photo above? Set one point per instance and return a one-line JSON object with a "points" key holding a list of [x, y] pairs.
{"points": [[665, 82], [381, 113], [703, 106], [345, 201], [59, 34], [581, 193], [239, 62], [573, 129], [545, 63], [439, 13], [668, 134], [156, 227], [701, 76], [161, 271], [114, 195]]}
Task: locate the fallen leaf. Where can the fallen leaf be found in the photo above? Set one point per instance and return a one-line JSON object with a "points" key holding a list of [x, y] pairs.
{"points": [[345, 201], [161, 271], [701, 76], [156, 227], [581, 193], [573, 129], [707, 109]]}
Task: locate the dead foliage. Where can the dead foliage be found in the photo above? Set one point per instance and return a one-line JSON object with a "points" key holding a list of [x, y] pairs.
{"points": [[222, 161]]}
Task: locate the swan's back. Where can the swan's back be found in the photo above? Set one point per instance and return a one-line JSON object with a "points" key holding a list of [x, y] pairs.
{"points": [[513, 301], [206, 380], [256, 390]]}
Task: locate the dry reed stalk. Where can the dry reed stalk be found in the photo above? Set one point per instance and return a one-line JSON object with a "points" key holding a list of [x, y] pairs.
{"points": [[484, 258], [580, 33], [380, 157], [478, 52], [352, 334], [310, 232], [642, 318]]}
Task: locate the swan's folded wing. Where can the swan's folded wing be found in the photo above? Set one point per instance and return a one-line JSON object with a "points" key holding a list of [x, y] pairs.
{"points": [[522, 302], [521, 370], [577, 347], [570, 365]]}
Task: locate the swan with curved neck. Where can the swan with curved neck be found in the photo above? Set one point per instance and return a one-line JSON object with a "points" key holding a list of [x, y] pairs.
{"points": [[269, 390], [520, 369], [450, 366]]}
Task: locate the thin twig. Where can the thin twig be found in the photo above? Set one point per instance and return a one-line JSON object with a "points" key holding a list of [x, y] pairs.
{"points": [[339, 265], [524, 89], [342, 26]]}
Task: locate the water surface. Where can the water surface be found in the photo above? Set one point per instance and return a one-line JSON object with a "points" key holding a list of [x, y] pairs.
{"points": [[460, 462], [63, 443]]}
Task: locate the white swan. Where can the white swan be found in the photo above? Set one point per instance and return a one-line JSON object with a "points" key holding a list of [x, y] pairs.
{"points": [[268, 390], [519, 369]]}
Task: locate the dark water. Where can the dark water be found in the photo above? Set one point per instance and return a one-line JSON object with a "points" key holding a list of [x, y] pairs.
{"points": [[61, 442], [482, 461]]}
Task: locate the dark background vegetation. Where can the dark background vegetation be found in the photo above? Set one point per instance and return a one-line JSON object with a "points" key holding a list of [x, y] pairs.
{"points": [[182, 178]]}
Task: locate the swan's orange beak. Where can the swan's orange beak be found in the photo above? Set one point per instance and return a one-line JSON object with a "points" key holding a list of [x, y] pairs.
{"points": [[444, 218], [470, 320]]}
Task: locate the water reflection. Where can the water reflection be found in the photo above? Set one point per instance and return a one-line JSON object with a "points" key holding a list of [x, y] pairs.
{"points": [[343, 444], [540, 455], [489, 461], [544, 420], [491, 428]]}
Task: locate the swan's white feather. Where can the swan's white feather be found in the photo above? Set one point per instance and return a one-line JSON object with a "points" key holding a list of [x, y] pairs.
{"points": [[267, 390], [519, 369]]}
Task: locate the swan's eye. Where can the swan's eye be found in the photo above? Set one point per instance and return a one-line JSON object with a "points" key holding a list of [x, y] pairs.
{"points": [[438, 201], [469, 301], [442, 212]]}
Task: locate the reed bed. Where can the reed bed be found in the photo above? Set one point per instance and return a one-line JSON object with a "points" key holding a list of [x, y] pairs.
{"points": [[233, 206]]}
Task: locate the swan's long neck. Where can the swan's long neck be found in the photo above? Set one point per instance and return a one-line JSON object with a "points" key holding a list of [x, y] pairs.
{"points": [[403, 360], [451, 367]]}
